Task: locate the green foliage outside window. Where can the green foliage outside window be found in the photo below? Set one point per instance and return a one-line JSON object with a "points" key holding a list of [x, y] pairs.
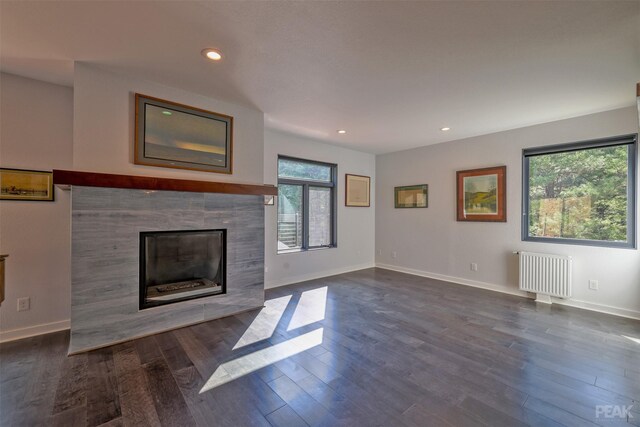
{"points": [[579, 194], [306, 171]]}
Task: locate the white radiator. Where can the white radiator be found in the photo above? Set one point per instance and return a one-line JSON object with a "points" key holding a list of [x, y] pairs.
{"points": [[545, 274]]}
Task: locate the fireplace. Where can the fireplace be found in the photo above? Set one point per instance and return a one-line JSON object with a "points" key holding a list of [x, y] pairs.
{"points": [[181, 265]]}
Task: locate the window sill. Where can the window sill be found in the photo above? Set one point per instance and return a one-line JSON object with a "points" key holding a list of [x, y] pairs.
{"points": [[581, 242], [297, 251]]}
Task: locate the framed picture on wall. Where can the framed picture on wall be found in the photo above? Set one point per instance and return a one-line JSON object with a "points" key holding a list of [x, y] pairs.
{"points": [[412, 196], [357, 190], [23, 184], [174, 135], [481, 194]]}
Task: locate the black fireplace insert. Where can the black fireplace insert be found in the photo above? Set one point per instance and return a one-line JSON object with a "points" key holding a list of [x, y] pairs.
{"points": [[181, 265]]}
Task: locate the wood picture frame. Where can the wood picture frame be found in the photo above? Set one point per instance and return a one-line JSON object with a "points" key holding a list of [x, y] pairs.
{"points": [[357, 191], [411, 196], [26, 185], [482, 194], [172, 135]]}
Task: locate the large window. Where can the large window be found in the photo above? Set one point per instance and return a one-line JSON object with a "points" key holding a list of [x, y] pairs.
{"points": [[306, 204], [581, 193]]}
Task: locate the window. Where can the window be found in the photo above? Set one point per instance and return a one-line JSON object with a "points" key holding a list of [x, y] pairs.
{"points": [[306, 204], [581, 193]]}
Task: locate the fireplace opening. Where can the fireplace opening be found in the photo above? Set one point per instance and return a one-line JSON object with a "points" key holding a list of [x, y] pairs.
{"points": [[181, 265]]}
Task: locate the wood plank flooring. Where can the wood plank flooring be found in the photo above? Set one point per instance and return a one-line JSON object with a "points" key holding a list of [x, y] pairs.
{"points": [[367, 348]]}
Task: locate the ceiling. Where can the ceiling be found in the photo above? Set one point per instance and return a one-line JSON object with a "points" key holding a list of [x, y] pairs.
{"points": [[391, 73]]}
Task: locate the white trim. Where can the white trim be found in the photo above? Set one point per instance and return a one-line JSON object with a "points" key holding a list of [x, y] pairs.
{"points": [[600, 308], [318, 275], [31, 331], [458, 280]]}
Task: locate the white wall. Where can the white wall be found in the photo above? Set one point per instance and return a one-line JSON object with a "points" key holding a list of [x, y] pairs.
{"points": [[356, 225], [103, 131], [36, 131], [88, 128], [431, 242]]}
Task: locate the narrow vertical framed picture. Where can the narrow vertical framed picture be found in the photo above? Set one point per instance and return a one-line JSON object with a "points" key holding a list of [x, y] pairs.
{"points": [[357, 191], [411, 196], [482, 195], [28, 185]]}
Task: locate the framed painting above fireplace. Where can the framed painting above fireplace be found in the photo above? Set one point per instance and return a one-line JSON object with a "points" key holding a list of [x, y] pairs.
{"points": [[174, 135]]}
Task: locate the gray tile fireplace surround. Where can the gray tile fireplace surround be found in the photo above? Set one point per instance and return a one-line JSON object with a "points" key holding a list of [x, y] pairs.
{"points": [[106, 226]]}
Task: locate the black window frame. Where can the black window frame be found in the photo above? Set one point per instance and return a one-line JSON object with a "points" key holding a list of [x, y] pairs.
{"points": [[631, 141], [306, 184]]}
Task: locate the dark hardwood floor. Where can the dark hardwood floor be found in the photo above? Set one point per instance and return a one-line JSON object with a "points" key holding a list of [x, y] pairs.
{"points": [[367, 348]]}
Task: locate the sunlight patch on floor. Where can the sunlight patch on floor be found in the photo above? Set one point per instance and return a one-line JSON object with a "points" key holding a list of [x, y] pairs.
{"points": [[635, 340], [310, 309], [265, 322], [252, 362]]}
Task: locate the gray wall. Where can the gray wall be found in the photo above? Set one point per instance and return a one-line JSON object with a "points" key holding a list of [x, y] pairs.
{"points": [[431, 242], [74, 131], [36, 132], [103, 127], [106, 224]]}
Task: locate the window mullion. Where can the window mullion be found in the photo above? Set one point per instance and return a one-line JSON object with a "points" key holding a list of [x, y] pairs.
{"points": [[305, 216]]}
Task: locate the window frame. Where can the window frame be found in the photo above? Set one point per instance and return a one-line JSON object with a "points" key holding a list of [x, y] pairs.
{"points": [[629, 140], [306, 185]]}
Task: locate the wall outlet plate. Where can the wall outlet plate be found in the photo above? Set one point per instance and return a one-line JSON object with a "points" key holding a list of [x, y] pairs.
{"points": [[593, 285], [474, 266], [394, 254], [24, 304]]}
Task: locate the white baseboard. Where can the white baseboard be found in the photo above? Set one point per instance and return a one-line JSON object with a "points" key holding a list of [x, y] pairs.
{"points": [[317, 275], [31, 331], [601, 308], [458, 280]]}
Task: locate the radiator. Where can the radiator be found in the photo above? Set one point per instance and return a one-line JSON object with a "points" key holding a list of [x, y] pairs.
{"points": [[545, 274]]}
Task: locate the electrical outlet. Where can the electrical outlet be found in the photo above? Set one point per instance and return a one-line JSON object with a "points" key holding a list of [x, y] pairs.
{"points": [[379, 252], [266, 269], [474, 266], [394, 254], [24, 304], [593, 285]]}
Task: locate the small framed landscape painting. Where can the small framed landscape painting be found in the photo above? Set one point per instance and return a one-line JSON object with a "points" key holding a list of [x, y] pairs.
{"points": [[173, 135], [20, 184], [412, 196], [482, 195], [357, 190]]}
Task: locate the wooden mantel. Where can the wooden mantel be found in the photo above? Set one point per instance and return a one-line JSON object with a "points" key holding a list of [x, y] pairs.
{"points": [[91, 179]]}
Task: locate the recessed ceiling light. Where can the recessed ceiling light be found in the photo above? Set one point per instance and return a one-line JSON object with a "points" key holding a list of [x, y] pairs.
{"points": [[167, 113], [445, 129], [212, 54], [342, 131]]}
